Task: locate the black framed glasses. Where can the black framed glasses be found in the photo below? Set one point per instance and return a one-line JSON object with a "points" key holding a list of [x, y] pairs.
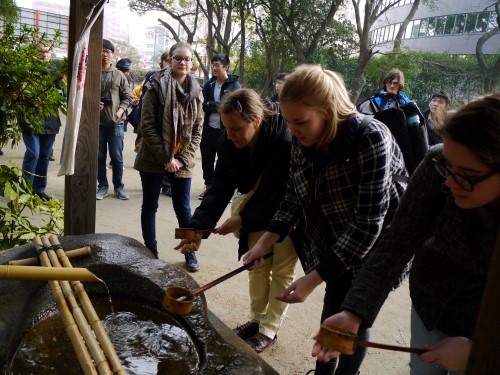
{"points": [[179, 59], [464, 182]]}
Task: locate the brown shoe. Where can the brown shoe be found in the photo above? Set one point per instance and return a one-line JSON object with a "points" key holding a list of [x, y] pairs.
{"points": [[247, 330], [261, 342]]}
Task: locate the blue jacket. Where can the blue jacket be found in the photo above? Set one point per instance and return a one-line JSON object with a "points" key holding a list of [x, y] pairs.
{"points": [[382, 100]]}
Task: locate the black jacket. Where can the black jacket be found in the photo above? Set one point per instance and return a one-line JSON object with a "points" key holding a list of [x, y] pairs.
{"points": [[236, 169], [433, 135], [209, 104]]}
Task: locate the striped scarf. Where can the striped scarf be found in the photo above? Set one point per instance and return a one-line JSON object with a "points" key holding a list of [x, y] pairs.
{"points": [[179, 113]]}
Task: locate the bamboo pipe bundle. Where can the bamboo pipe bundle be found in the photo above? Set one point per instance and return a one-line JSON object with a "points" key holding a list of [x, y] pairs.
{"points": [[69, 322], [90, 313], [36, 261], [100, 361]]}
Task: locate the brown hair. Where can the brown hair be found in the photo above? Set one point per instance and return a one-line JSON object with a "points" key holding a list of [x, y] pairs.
{"points": [[477, 127], [247, 102], [394, 74], [322, 89]]}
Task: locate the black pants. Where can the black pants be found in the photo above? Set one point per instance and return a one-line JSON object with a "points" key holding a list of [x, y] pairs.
{"points": [[335, 293], [208, 148]]}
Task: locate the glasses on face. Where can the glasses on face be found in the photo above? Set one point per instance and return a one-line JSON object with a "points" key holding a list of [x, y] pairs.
{"points": [[217, 65], [179, 59], [393, 83], [464, 182]]}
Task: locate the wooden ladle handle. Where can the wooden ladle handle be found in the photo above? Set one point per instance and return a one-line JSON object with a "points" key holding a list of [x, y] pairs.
{"points": [[368, 344], [225, 277]]}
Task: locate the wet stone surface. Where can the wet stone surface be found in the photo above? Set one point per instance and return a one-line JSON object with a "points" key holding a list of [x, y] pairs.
{"points": [[148, 339]]}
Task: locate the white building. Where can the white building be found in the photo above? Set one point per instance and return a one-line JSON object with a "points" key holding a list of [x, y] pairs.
{"points": [[450, 26]]}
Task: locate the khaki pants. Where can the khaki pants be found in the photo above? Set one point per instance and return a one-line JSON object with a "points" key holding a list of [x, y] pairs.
{"points": [[266, 282]]}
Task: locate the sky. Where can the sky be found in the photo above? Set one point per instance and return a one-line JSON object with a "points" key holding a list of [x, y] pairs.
{"points": [[137, 23]]}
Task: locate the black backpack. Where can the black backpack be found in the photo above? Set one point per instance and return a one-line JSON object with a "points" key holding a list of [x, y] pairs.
{"points": [[406, 123]]}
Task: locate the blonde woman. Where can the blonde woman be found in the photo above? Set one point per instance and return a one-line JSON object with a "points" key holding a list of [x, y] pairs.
{"points": [[340, 187]]}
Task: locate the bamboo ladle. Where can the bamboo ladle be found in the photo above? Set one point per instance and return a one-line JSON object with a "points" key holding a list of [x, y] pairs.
{"points": [[345, 342], [179, 301]]}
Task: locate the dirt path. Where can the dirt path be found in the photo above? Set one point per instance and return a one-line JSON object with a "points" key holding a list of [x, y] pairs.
{"points": [[229, 300]]}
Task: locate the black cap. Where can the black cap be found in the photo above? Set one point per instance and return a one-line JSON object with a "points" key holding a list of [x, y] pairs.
{"points": [[106, 44]]}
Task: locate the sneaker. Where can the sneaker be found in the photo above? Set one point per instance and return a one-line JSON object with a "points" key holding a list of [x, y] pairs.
{"points": [[205, 189], [261, 342], [102, 192], [167, 192], [52, 158], [192, 264], [44, 196], [247, 330], [121, 194]]}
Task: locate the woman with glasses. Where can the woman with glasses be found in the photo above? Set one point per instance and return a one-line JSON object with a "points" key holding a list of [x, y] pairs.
{"points": [[447, 222], [214, 89], [171, 125], [393, 84]]}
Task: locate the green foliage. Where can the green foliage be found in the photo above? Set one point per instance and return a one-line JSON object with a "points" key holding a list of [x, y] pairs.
{"points": [[8, 10], [20, 209], [29, 88]]}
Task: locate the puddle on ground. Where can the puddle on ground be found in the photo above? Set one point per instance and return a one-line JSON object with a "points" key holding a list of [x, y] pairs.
{"points": [[147, 341]]}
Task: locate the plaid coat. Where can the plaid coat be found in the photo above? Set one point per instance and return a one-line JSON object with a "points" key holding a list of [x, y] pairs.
{"points": [[343, 199]]}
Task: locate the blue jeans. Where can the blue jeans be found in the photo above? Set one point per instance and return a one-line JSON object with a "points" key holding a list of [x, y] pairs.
{"points": [[151, 187], [335, 293], [36, 159], [112, 137]]}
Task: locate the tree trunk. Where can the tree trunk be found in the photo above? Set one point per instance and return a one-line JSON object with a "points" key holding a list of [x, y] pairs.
{"points": [[399, 36]]}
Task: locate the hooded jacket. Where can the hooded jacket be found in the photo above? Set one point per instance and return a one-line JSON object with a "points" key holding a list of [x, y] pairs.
{"points": [[209, 104], [114, 87]]}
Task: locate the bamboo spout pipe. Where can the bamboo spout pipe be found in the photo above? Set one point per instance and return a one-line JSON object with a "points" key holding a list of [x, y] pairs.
{"points": [[82, 353], [95, 350], [90, 313], [45, 273], [35, 261]]}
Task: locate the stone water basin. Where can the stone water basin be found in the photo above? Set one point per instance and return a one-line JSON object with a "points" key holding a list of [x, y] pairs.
{"points": [[147, 339]]}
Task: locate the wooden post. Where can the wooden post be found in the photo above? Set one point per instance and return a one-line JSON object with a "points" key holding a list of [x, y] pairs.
{"points": [[484, 358], [80, 189]]}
